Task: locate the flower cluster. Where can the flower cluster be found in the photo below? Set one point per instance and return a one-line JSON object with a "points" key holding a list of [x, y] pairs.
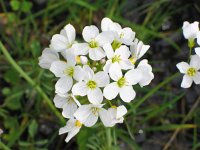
{"points": [[191, 70], [91, 74]]}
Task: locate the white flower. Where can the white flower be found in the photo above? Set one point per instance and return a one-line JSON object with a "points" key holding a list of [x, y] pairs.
{"points": [[191, 71], [122, 84], [66, 71], [72, 127], [91, 84], [89, 114], [119, 56], [95, 41], [68, 103], [138, 49], [48, 56], [65, 40], [125, 35], [190, 30], [117, 114], [145, 70]]}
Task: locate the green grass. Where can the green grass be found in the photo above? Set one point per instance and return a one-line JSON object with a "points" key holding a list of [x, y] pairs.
{"points": [[27, 90]]}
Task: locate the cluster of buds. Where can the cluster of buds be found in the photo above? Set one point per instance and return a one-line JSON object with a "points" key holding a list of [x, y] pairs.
{"points": [[95, 78], [191, 70]]}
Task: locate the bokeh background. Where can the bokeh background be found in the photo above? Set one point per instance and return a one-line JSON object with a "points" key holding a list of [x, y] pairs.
{"points": [[163, 116]]}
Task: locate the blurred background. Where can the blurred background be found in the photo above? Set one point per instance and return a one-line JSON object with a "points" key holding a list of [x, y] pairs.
{"points": [[163, 116]]}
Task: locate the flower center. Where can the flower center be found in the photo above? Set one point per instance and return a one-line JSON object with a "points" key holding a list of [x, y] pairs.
{"points": [[116, 44], [113, 106], [93, 44], [95, 110], [191, 72], [121, 35], [69, 71], [78, 59], [116, 58], [91, 84], [78, 123], [132, 60], [121, 82]]}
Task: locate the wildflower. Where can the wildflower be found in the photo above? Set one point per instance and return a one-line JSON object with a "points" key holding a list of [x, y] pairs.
{"points": [[190, 31], [72, 127], [91, 84], [190, 71], [95, 41], [145, 70], [89, 114], [117, 114], [138, 49], [47, 58], [65, 40], [68, 103], [66, 71], [119, 56], [121, 36], [122, 84]]}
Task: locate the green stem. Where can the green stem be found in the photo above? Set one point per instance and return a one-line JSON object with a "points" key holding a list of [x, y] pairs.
{"points": [[31, 82], [151, 92]]}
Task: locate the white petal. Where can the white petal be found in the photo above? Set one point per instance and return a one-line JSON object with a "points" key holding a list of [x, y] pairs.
{"points": [[126, 64], [96, 53], [72, 133], [58, 43], [108, 50], [71, 59], [121, 111], [102, 79], [84, 60], [80, 88], [123, 51], [85, 115], [89, 73], [104, 38], [95, 96], [69, 109], [63, 85], [133, 76], [127, 36], [47, 58], [183, 67], [90, 32], [111, 91], [105, 117], [186, 82], [106, 67], [58, 68], [190, 29], [115, 72], [197, 51], [142, 49], [70, 32], [81, 48], [105, 24], [195, 61], [127, 93], [78, 73], [59, 101], [196, 78], [69, 126]]}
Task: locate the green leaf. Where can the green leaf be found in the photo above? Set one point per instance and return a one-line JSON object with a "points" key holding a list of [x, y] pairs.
{"points": [[11, 76], [35, 48], [13, 101], [26, 6], [32, 129], [15, 5]]}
